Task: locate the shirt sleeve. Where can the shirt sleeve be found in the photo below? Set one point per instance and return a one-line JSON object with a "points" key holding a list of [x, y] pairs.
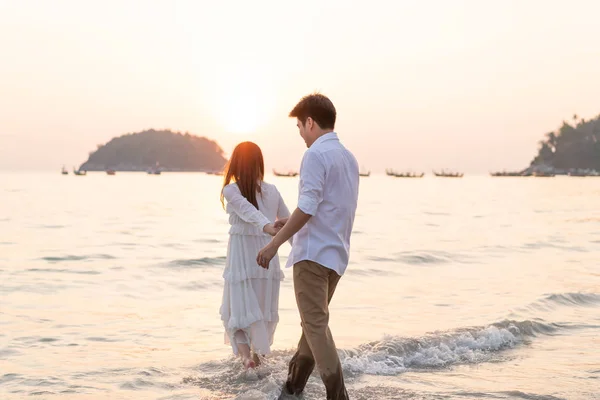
{"points": [[243, 208], [312, 182]]}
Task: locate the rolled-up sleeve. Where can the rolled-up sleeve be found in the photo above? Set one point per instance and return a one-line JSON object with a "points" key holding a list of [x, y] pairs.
{"points": [[312, 182]]}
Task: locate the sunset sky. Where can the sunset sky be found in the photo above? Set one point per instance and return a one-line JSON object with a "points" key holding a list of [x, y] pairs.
{"points": [[467, 85]]}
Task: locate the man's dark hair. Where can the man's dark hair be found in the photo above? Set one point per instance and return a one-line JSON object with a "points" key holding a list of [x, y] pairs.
{"points": [[318, 107]]}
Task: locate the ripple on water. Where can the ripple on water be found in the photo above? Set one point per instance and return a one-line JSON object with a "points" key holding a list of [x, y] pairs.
{"points": [[100, 339], [140, 384], [198, 285], [56, 259], [50, 226], [197, 262], [552, 245], [5, 353], [430, 257], [39, 288], [64, 271], [48, 340]]}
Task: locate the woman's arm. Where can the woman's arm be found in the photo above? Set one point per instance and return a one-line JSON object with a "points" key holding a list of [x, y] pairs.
{"points": [[246, 210]]}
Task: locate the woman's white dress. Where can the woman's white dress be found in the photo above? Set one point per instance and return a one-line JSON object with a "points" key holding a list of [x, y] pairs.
{"points": [[250, 307]]}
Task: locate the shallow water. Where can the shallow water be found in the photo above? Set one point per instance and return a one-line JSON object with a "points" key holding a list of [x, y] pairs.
{"points": [[457, 289]]}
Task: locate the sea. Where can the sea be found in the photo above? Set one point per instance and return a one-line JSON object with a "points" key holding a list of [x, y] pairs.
{"points": [[472, 288]]}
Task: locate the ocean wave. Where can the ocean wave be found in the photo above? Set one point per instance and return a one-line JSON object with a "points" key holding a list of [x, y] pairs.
{"points": [[394, 355], [52, 226], [514, 394], [529, 396], [429, 258], [390, 356], [63, 271], [78, 258], [197, 262], [551, 301], [552, 245], [581, 299], [369, 272], [201, 285], [144, 384]]}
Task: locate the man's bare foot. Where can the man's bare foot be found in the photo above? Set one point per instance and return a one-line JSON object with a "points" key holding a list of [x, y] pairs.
{"points": [[256, 359], [248, 363]]}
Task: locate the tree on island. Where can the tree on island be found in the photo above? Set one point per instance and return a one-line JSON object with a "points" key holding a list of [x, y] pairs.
{"points": [[173, 151], [573, 146]]}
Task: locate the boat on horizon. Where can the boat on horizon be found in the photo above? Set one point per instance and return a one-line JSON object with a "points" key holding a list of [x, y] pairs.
{"points": [[509, 173], [290, 174], [79, 172], [155, 171], [583, 172], [408, 175], [445, 174], [64, 171], [540, 174], [110, 172]]}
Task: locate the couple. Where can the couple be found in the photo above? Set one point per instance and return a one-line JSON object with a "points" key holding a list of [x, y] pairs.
{"points": [[319, 230]]}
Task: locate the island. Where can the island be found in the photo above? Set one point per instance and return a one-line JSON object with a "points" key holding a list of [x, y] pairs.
{"points": [[154, 149], [573, 149]]}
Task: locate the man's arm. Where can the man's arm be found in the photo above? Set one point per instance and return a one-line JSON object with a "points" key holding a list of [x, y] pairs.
{"points": [[298, 219]]}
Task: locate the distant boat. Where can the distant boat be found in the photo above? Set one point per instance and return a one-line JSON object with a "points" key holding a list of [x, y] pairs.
{"points": [[219, 173], [409, 175], [154, 171], [544, 174], [444, 174], [391, 172], [79, 172], [110, 172], [290, 174], [582, 173], [505, 174], [64, 171], [365, 174]]}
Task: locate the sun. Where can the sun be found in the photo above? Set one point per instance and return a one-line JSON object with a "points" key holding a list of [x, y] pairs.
{"points": [[245, 99], [242, 111]]}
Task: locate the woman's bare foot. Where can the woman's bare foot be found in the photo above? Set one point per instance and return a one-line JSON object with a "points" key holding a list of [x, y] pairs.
{"points": [[256, 359], [248, 363]]}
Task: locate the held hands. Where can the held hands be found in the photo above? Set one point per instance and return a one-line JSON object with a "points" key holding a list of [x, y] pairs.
{"points": [[271, 229], [265, 256], [280, 223]]}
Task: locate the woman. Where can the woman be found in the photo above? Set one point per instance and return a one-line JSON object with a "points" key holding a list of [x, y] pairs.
{"points": [[250, 308]]}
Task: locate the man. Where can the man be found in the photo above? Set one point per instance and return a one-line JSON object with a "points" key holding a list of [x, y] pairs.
{"points": [[321, 226]]}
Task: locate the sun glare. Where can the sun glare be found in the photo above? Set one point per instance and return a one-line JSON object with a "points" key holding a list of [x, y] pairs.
{"points": [[245, 99]]}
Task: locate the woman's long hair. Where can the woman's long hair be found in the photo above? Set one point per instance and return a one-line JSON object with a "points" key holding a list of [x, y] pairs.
{"points": [[246, 167]]}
